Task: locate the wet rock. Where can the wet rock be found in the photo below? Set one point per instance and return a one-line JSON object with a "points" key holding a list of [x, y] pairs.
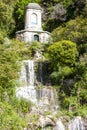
{"points": [[76, 123], [59, 125], [85, 123], [46, 121]]}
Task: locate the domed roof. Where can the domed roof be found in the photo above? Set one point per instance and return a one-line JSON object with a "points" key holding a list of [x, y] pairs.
{"points": [[33, 6]]}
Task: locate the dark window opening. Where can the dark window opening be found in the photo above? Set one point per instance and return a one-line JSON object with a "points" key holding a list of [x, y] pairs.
{"points": [[36, 38]]}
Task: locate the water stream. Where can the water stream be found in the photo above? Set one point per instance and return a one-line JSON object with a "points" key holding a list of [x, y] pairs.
{"points": [[43, 97], [27, 89], [76, 124], [59, 125]]}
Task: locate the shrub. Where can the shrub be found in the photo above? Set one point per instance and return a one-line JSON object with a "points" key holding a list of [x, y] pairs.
{"points": [[10, 120]]}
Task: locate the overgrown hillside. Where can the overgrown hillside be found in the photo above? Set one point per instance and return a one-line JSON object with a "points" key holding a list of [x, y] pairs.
{"points": [[67, 55]]}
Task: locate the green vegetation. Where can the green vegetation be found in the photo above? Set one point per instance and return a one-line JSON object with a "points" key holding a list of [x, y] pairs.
{"points": [[9, 119], [12, 109], [63, 52], [68, 70], [74, 30], [7, 22], [67, 57], [62, 56]]}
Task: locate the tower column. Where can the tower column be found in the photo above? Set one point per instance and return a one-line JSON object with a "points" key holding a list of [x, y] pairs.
{"points": [[33, 17]]}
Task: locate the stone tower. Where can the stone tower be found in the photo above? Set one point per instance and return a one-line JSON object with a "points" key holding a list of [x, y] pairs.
{"points": [[33, 26], [33, 17]]}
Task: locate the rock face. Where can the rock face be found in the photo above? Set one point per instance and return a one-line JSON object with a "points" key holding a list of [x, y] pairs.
{"points": [[76, 123], [59, 125], [49, 122], [46, 121], [85, 123]]}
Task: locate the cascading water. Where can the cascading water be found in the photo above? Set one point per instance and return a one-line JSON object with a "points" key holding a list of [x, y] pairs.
{"points": [[27, 73], [59, 125], [43, 73], [31, 72], [40, 79], [26, 80], [47, 98], [76, 124], [44, 96]]}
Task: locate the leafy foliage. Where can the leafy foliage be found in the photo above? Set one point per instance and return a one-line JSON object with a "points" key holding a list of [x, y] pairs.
{"points": [[74, 30], [63, 52], [9, 118], [69, 9], [8, 67], [68, 21], [12, 51], [7, 22], [62, 56], [69, 71], [21, 106]]}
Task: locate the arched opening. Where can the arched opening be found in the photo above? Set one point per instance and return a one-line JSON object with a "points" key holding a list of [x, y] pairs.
{"points": [[36, 38], [34, 18]]}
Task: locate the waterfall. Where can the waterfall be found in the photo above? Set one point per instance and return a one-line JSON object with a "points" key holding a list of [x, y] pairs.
{"points": [[43, 73], [76, 124], [44, 97], [27, 74], [59, 125], [40, 72], [26, 80], [47, 99], [31, 72]]}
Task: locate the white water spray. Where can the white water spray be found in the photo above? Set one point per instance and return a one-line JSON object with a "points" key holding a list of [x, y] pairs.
{"points": [[26, 89], [43, 97], [59, 125], [76, 124]]}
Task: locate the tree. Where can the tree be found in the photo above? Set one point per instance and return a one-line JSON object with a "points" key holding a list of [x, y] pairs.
{"points": [[63, 53], [74, 30], [8, 66], [80, 86], [7, 22], [62, 56], [62, 10]]}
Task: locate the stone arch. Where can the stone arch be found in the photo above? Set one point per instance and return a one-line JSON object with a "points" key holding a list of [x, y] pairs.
{"points": [[34, 18]]}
